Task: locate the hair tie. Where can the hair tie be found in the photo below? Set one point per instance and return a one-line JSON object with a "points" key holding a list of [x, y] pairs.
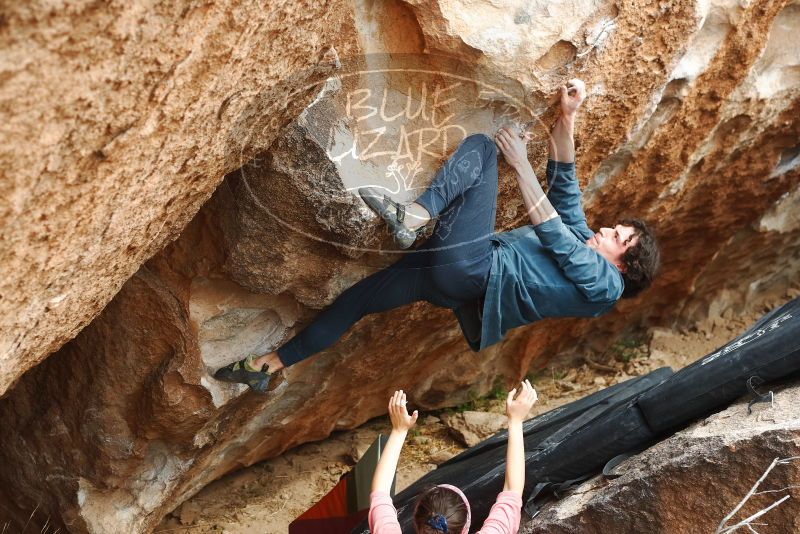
{"points": [[460, 493], [438, 522]]}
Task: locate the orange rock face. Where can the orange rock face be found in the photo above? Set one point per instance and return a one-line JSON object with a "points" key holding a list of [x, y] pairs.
{"points": [[114, 122], [692, 122]]}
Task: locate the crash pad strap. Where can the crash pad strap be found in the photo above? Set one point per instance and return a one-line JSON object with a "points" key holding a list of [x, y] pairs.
{"points": [[752, 382], [614, 462]]}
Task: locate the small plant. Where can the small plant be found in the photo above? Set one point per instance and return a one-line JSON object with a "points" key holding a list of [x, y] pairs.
{"points": [[477, 403], [560, 374], [627, 349], [535, 375], [498, 392], [469, 405]]}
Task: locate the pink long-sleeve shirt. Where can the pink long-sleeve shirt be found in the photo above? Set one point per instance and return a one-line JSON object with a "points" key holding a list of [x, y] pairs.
{"points": [[503, 517]]}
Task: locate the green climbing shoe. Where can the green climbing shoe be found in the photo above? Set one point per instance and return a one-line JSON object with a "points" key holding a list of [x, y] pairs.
{"points": [[242, 372]]}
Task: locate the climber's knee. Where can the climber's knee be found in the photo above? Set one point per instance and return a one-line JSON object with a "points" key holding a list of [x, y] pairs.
{"points": [[480, 142]]}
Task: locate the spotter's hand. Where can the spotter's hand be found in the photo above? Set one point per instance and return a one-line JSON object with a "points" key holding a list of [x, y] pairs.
{"points": [[399, 414], [517, 409]]}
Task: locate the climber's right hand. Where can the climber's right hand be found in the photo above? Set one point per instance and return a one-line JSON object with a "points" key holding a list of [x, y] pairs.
{"points": [[572, 96]]}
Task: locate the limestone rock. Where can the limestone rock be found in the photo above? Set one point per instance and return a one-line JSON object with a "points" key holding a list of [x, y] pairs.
{"points": [[692, 121], [359, 446], [115, 122], [470, 427], [441, 457], [692, 480]]}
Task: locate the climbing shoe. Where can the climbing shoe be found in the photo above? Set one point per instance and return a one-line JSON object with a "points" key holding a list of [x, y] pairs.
{"points": [[393, 213], [243, 372]]}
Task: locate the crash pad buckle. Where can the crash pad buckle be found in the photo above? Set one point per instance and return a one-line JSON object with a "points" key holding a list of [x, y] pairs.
{"points": [[752, 383]]}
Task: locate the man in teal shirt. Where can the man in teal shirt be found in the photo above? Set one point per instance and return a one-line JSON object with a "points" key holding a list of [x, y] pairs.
{"points": [[554, 267], [557, 266]]}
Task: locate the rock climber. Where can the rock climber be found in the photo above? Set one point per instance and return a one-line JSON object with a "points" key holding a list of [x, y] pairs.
{"points": [[554, 267]]}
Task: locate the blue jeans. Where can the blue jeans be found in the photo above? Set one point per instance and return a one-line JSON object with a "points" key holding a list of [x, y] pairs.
{"points": [[450, 269]]}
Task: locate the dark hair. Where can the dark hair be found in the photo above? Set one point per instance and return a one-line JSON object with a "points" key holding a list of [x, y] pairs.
{"points": [[443, 501], [641, 261]]}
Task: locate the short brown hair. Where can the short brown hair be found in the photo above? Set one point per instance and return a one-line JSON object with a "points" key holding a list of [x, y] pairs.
{"points": [[437, 500], [641, 261]]}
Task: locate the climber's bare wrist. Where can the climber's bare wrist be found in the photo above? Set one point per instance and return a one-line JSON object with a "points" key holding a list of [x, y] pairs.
{"points": [[568, 119]]}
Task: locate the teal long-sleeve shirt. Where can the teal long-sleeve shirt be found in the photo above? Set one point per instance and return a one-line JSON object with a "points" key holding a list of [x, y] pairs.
{"points": [[547, 270]]}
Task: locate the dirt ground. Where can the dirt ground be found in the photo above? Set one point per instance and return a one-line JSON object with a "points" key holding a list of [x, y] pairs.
{"points": [[266, 497]]}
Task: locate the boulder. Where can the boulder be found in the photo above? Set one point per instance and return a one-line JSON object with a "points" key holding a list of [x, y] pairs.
{"points": [[190, 199], [470, 427], [441, 457], [115, 132]]}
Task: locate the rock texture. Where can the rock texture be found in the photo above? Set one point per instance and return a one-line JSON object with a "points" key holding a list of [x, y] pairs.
{"points": [[114, 123], [691, 481], [470, 427], [692, 120]]}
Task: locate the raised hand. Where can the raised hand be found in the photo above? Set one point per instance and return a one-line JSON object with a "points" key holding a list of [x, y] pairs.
{"points": [[401, 423], [517, 409], [572, 96], [398, 413]]}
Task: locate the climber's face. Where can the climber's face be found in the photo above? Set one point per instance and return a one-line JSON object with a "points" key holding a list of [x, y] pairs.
{"points": [[611, 243]]}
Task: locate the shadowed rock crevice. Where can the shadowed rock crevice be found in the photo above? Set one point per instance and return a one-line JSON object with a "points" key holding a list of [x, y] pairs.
{"points": [[560, 55], [789, 160]]}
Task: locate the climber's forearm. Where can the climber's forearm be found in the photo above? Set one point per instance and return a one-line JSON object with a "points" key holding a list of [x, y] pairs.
{"points": [[561, 142], [536, 202]]}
